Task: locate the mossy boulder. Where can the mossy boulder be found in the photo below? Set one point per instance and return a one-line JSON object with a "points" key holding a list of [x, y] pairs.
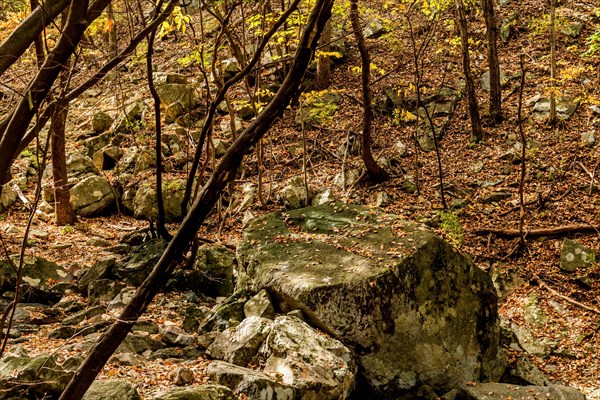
{"points": [[414, 310]]}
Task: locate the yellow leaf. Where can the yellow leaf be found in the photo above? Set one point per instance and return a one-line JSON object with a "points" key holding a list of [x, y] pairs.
{"points": [[109, 25]]}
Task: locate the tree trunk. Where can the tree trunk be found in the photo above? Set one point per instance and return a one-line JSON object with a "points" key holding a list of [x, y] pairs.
{"points": [[477, 133], [493, 64], [324, 61], [375, 172], [64, 212], [552, 61]]}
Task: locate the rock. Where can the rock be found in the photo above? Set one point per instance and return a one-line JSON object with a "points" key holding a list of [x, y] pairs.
{"points": [[40, 376], [533, 311], [573, 29], [226, 127], [406, 293], [324, 197], [244, 110], [575, 256], [144, 203], [163, 78], [501, 391], [383, 199], [112, 389], [225, 315], [145, 160], [181, 376], [317, 366], [259, 306], [135, 267], [7, 198], [318, 110], [238, 345], [220, 147], [408, 185], [508, 26], [127, 359], [254, 384], [595, 109], [244, 198], [230, 67], [82, 315], [39, 274], [177, 99], [295, 195], [101, 122], [588, 139], [496, 197], [96, 143], [485, 80], [522, 371], [107, 158], [100, 270], [204, 392], [116, 305], [537, 347], [139, 342], [127, 120], [565, 108], [401, 148], [347, 179], [375, 28], [63, 332], [215, 263], [92, 196]]}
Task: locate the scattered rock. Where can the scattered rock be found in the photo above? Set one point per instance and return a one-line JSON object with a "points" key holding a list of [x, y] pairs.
{"points": [[375, 28], [324, 197], [501, 391], [135, 267], [204, 392], [401, 148], [575, 256], [565, 108], [181, 376], [238, 345], [347, 179], [92, 196], [495, 197], [383, 199], [40, 376], [7, 198], [485, 80], [259, 306], [573, 29], [295, 195], [101, 269], [225, 315], [101, 122], [116, 305], [103, 290], [254, 384], [534, 314], [588, 139]]}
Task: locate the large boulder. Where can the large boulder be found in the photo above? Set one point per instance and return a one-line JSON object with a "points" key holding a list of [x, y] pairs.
{"points": [[415, 310], [92, 196], [501, 391], [7, 198], [112, 389], [203, 392], [145, 202]]}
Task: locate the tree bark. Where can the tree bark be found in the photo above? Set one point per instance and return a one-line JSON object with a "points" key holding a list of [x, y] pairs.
{"points": [[28, 30], [552, 62], [375, 172], [493, 64], [476, 130], [205, 201], [324, 61]]}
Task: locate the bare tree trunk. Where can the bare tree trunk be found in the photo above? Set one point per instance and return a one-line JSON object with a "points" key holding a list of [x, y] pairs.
{"points": [[324, 60], [493, 64], [64, 212], [112, 33], [476, 130], [552, 61], [375, 172]]}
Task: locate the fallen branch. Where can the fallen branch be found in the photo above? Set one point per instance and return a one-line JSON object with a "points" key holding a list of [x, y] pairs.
{"points": [[565, 298], [560, 230]]}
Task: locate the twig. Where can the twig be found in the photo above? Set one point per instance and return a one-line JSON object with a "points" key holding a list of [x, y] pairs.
{"points": [[557, 231], [568, 299]]}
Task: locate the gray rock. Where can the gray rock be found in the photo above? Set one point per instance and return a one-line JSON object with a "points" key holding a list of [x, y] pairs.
{"points": [[163, 78], [225, 315], [383, 199], [573, 29], [485, 80], [100, 270], [565, 108], [575, 256], [107, 157], [226, 127], [127, 120], [534, 314], [177, 99], [116, 305], [508, 26], [295, 195], [92, 196], [254, 384], [347, 179], [139, 342], [588, 139], [39, 273], [145, 160], [220, 147], [502, 391], [318, 111], [317, 366], [40, 376], [145, 206], [408, 185], [112, 389], [375, 28], [216, 263], [231, 66], [7, 198], [135, 267], [401, 148], [238, 345], [595, 109], [181, 376], [96, 143], [101, 121], [496, 197], [259, 306], [539, 347], [406, 294], [324, 197], [204, 392], [522, 371]]}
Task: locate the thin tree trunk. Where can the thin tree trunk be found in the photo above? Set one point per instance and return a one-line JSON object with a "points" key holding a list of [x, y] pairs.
{"points": [[324, 61], [493, 64], [224, 172], [476, 130], [375, 172], [552, 61], [160, 220]]}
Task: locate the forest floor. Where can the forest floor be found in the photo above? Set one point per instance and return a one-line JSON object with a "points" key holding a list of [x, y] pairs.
{"points": [[561, 186]]}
